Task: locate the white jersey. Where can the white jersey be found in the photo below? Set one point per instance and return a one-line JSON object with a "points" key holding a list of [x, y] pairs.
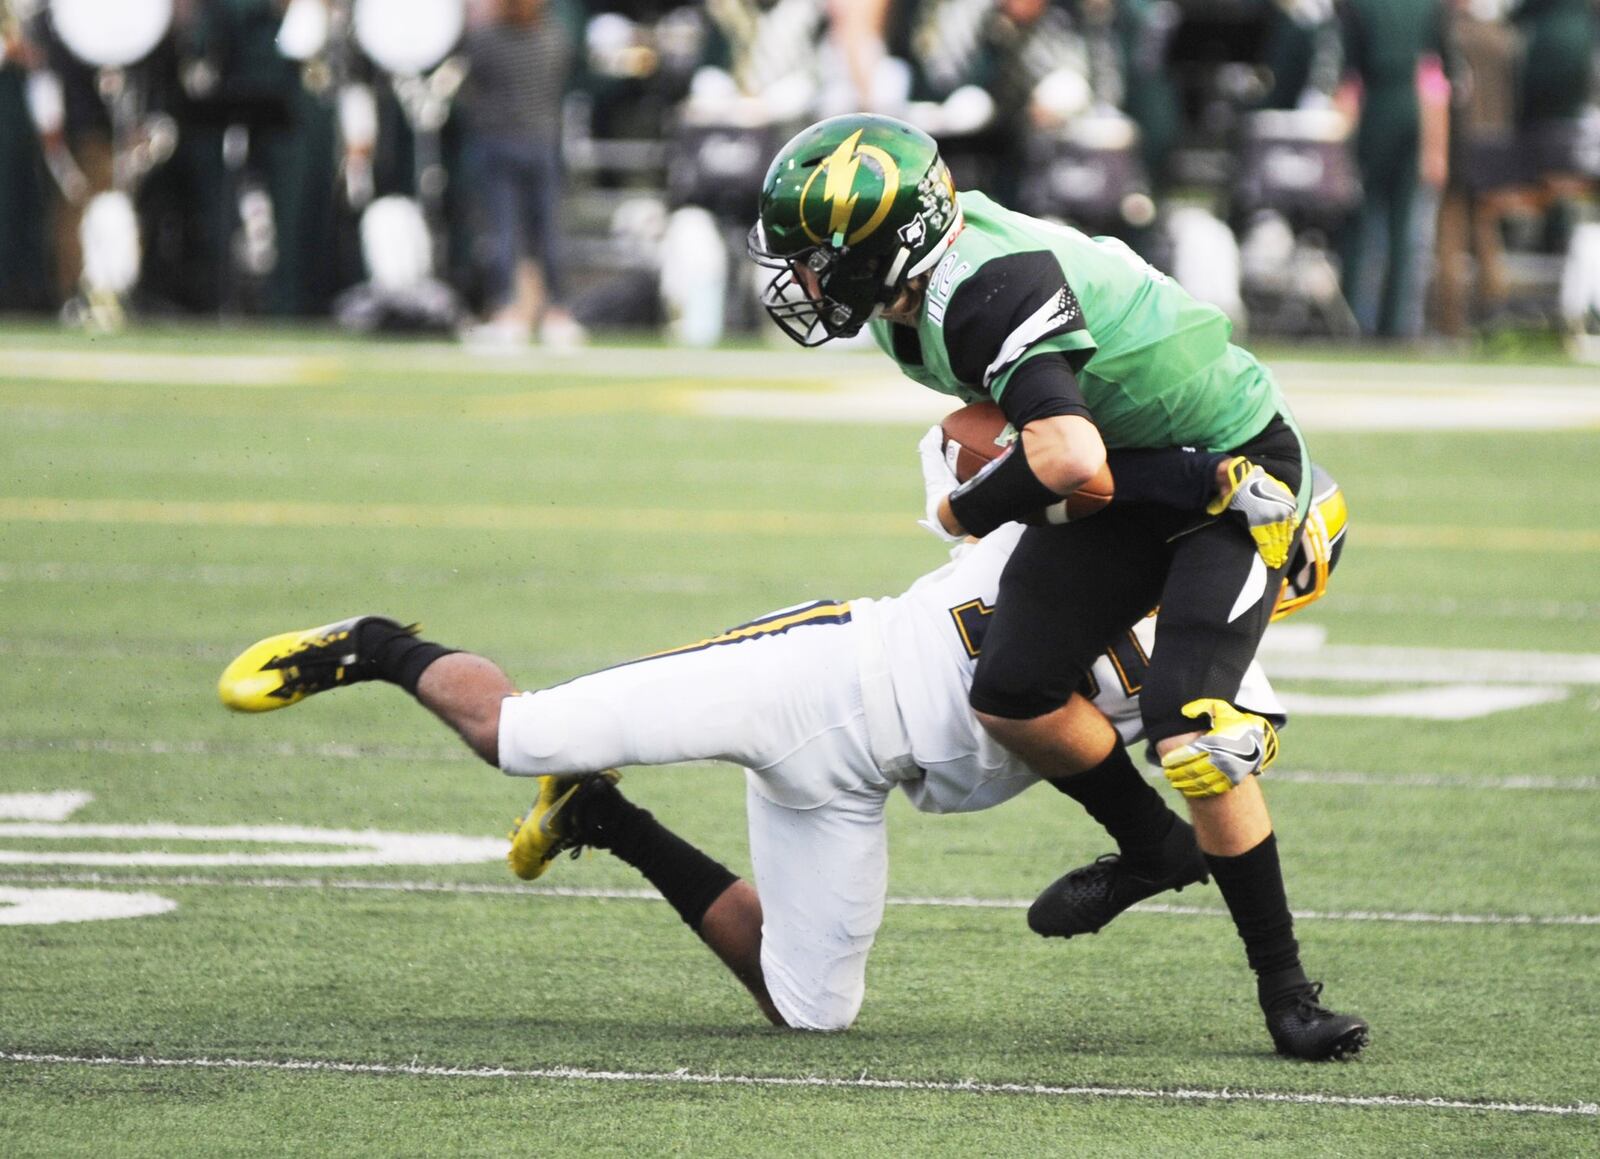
{"points": [[932, 636]]}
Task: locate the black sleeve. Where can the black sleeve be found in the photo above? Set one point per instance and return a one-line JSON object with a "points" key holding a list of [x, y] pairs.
{"points": [[1180, 477], [1004, 490], [1004, 307], [1041, 388]]}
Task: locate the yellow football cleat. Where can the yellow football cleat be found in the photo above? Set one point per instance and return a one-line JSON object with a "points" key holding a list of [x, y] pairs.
{"points": [[1238, 745], [545, 831], [285, 669], [1268, 506]]}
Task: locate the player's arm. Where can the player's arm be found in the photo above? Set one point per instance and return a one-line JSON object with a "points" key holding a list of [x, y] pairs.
{"points": [[1014, 330], [1053, 458], [1181, 477]]}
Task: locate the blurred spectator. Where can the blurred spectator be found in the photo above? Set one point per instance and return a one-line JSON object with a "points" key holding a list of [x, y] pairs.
{"points": [[1559, 39], [1299, 34], [857, 34], [1397, 88], [71, 126], [1484, 162], [1027, 55], [520, 61], [769, 50], [1143, 30], [640, 55], [1526, 80], [243, 217], [23, 196]]}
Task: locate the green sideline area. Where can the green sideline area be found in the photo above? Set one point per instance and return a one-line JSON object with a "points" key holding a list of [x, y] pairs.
{"points": [[167, 499]]}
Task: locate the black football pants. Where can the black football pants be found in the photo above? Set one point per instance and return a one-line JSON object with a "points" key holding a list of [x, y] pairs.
{"points": [[1069, 592]]}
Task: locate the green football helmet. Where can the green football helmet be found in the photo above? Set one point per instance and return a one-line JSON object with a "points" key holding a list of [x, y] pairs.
{"points": [[853, 208]]}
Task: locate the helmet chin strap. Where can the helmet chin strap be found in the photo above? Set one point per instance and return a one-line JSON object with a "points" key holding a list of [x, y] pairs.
{"points": [[897, 277], [902, 255]]}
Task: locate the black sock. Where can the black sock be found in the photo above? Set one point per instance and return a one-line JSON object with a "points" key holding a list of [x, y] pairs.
{"points": [[1252, 885], [395, 653], [1129, 808], [686, 877]]}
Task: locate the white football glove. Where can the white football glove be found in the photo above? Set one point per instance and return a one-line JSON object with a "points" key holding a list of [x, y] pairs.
{"points": [[938, 480]]}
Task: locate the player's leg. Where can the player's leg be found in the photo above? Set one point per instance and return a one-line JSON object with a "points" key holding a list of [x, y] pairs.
{"points": [[1034, 657], [822, 875], [1217, 603], [463, 690], [1156, 849], [748, 695], [721, 908], [819, 857], [802, 955], [1064, 595], [466, 691]]}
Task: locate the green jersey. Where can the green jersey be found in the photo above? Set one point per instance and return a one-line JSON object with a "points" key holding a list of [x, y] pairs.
{"points": [[1155, 366]]}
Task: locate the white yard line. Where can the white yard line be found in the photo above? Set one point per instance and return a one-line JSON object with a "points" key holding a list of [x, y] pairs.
{"points": [[685, 1077], [852, 386], [146, 368], [1322, 402], [1383, 664], [1403, 917]]}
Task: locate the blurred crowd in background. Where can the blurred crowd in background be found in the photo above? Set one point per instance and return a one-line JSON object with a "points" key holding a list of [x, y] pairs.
{"points": [[533, 170]]}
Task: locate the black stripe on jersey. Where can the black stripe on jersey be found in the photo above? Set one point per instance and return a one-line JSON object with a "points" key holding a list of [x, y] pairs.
{"points": [[907, 346], [803, 616], [1019, 296]]}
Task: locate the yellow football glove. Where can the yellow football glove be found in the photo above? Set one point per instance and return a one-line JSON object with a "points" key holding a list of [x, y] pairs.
{"points": [[1239, 745], [1266, 503]]}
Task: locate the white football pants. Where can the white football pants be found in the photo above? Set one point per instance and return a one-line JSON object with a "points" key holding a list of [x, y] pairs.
{"points": [[781, 696]]}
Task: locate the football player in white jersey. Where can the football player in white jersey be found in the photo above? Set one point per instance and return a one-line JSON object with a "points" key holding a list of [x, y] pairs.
{"points": [[829, 707]]}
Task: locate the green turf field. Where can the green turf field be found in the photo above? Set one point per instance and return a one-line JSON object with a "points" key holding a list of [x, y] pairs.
{"points": [[168, 498]]}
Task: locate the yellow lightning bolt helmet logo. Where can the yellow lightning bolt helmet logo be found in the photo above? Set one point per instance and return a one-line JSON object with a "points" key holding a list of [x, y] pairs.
{"points": [[843, 167], [836, 191]]}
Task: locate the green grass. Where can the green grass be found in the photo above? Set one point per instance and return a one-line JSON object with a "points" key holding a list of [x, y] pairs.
{"points": [[560, 520]]}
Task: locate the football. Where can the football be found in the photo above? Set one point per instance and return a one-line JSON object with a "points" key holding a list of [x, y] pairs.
{"points": [[976, 435]]}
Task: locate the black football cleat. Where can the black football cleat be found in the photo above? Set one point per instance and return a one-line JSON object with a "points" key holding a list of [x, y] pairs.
{"points": [[1087, 898], [1301, 1027], [285, 669]]}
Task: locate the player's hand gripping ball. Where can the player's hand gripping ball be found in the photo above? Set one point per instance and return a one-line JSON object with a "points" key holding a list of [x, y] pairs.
{"points": [[977, 435]]}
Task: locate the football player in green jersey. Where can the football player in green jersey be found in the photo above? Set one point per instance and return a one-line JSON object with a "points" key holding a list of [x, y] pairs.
{"points": [[1085, 347]]}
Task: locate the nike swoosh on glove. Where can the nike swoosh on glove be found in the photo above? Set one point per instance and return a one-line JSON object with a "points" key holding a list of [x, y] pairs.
{"points": [[1239, 745], [1268, 507]]}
